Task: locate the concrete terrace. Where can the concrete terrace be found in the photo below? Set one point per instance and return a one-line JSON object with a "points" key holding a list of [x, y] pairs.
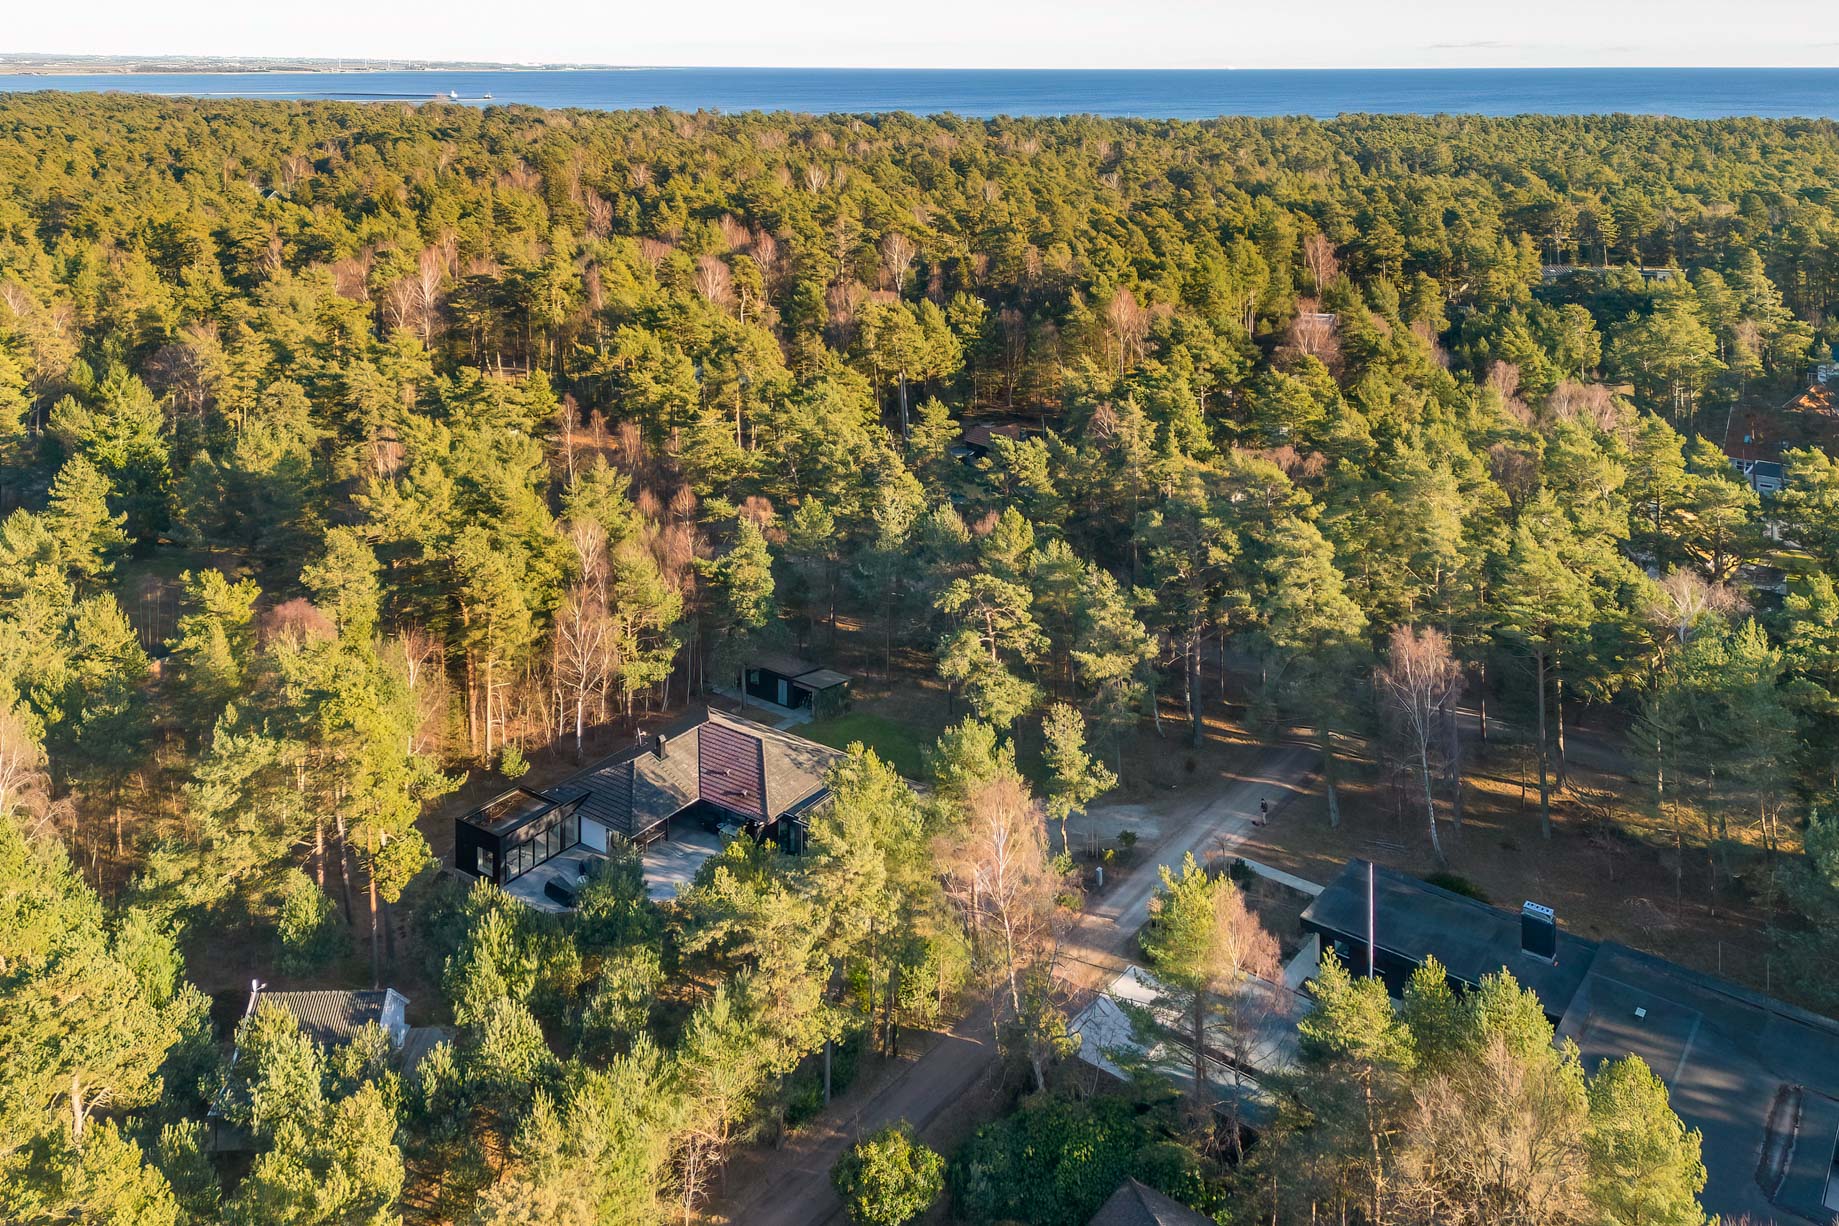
{"points": [[668, 864]]}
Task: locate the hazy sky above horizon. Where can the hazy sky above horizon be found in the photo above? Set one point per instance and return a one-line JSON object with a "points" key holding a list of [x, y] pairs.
{"points": [[959, 33]]}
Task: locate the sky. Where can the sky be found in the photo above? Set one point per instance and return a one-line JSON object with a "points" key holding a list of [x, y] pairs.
{"points": [[956, 33]]}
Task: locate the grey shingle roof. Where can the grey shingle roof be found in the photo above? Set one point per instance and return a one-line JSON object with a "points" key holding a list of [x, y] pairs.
{"points": [[1138, 1204], [636, 789]]}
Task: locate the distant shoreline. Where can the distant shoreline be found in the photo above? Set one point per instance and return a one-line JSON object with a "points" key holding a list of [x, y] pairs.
{"points": [[1687, 93], [61, 66]]}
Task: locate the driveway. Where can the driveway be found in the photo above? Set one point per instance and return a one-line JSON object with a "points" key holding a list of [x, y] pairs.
{"points": [[796, 1191]]}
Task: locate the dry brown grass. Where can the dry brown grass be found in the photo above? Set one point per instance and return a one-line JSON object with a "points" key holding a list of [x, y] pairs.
{"points": [[1608, 869]]}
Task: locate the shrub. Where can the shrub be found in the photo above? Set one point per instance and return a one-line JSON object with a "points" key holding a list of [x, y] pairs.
{"points": [[1456, 883], [511, 762], [888, 1178], [1052, 1163]]}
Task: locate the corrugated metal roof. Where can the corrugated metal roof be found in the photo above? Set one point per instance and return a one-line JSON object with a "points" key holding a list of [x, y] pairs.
{"points": [[329, 1017]]}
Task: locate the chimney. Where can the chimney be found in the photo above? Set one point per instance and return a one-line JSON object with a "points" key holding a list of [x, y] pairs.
{"points": [[1539, 932], [657, 746]]}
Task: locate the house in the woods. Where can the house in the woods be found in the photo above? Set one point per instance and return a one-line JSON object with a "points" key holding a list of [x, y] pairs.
{"points": [[796, 684], [676, 795], [1137, 1204], [1820, 397], [1758, 1077], [1764, 476], [330, 1019], [979, 440]]}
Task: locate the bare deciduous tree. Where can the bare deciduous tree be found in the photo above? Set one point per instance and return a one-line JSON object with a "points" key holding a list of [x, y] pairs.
{"points": [[1319, 259], [582, 642], [1128, 324], [898, 251], [997, 873], [1419, 683], [714, 280], [25, 786], [1498, 1141], [1684, 597], [1314, 332], [599, 214], [653, 252]]}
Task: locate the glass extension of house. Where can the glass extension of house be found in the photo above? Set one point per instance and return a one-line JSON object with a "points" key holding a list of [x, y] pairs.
{"points": [[544, 839]]}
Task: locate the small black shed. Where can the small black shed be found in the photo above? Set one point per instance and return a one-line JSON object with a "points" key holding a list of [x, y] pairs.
{"points": [[790, 682], [513, 833]]}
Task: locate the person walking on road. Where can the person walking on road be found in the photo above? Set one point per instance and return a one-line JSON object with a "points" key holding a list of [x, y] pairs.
{"points": [[1264, 812]]}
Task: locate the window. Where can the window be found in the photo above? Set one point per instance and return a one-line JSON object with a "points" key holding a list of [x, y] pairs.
{"points": [[571, 830]]}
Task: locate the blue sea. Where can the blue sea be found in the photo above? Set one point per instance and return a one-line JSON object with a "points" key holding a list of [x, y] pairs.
{"points": [[1159, 94]]}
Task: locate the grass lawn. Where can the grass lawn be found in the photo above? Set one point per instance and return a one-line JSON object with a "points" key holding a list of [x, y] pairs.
{"points": [[897, 743]]}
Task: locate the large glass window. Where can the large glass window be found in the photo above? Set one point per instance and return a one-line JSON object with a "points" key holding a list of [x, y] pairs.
{"points": [[553, 834]]}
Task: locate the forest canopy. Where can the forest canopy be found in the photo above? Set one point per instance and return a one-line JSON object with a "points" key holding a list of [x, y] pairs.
{"points": [[346, 449]]}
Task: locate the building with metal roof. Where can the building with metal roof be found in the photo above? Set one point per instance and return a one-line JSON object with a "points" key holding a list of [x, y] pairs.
{"points": [[331, 1017], [1757, 1077]]}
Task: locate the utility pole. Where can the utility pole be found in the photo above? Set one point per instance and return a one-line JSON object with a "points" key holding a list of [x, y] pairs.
{"points": [[1371, 914]]}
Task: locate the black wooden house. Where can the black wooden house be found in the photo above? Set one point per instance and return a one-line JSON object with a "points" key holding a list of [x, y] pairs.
{"points": [[790, 682], [513, 833]]}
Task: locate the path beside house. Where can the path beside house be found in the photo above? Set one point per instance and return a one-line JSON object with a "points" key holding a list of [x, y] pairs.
{"points": [[1094, 951]]}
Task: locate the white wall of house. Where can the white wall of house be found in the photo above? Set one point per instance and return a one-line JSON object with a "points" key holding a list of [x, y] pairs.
{"points": [[593, 835]]}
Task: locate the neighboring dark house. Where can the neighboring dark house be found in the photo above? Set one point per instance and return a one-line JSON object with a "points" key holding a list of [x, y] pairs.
{"points": [[1764, 476], [1138, 1204], [790, 682], [1416, 919], [1758, 1077], [977, 441], [328, 1018], [717, 769]]}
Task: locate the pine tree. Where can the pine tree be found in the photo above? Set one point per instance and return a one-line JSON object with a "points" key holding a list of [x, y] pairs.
{"points": [[742, 607], [88, 537], [1316, 630], [1076, 777], [1545, 608]]}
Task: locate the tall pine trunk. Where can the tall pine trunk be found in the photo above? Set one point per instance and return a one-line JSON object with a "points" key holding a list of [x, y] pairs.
{"points": [[376, 945], [1545, 791]]}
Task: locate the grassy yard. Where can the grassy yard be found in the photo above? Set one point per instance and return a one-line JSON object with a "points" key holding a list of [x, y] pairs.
{"points": [[899, 744]]}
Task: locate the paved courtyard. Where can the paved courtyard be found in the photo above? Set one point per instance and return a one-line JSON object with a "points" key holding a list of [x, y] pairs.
{"points": [[668, 865], [673, 862]]}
